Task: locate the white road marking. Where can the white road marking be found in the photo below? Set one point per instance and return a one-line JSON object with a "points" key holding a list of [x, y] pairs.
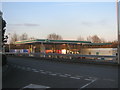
{"points": [[88, 83], [67, 74], [78, 76], [35, 71], [92, 77], [43, 72], [58, 73], [75, 77], [63, 76], [48, 72], [88, 79], [35, 86], [53, 74]]}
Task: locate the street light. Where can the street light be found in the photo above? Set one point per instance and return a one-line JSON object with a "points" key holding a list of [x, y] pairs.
{"points": [[9, 41], [118, 28]]}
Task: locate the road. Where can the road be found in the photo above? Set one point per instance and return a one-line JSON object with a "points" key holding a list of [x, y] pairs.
{"points": [[50, 74]]}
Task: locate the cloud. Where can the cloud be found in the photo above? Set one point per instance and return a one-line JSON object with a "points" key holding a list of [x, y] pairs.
{"points": [[14, 24], [85, 23], [25, 24], [102, 22], [29, 24]]}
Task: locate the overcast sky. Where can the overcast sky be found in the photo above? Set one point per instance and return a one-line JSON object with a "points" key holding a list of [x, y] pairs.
{"points": [[68, 19]]}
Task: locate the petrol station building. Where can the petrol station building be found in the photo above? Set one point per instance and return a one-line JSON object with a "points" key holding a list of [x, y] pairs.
{"points": [[63, 47], [51, 46]]}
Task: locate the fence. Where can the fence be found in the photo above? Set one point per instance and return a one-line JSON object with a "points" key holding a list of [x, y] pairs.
{"points": [[69, 57]]}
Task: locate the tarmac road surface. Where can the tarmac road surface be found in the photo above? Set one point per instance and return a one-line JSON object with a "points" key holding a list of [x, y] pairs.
{"points": [[31, 72]]}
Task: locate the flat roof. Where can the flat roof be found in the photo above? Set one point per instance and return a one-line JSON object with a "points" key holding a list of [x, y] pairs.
{"points": [[50, 41], [99, 44]]}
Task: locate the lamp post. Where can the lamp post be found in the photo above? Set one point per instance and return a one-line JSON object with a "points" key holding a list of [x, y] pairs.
{"points": [[0, 32], [9, 41], [118, 29]]}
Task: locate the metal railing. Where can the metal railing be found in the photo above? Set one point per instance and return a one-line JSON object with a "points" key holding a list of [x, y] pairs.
{"points": [[68, 57]]}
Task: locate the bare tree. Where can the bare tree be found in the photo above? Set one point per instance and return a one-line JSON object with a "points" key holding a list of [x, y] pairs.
{"points": [[103, 40], [54, 36], [89, 38], [32, 38], [80, 38], [95, 39], [24, 36], [14, 38]]}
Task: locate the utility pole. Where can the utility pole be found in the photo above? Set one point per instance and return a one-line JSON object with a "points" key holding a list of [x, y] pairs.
{"points": [[118, 28], [9, 41]]}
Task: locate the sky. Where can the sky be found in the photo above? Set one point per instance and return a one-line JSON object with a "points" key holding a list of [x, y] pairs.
{"points": [[68, 19]]}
